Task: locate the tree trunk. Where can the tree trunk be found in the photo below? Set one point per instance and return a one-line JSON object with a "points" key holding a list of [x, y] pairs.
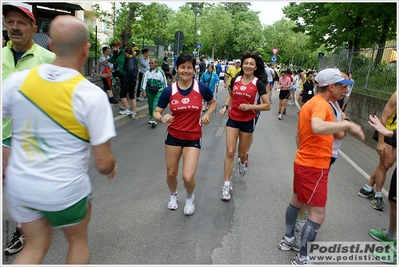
{"points": [[383, 40]]}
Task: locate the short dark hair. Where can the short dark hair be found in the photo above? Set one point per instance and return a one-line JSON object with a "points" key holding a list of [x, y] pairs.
{"points": [[145, 50], [183, 58], [105, 48], [129, 50]]}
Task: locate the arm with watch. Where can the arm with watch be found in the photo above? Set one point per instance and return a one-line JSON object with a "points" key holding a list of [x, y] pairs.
{"points": [[167, 118], [226, 104]]}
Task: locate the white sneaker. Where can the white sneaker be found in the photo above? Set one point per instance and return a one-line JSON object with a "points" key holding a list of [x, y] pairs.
{"points": [[172, 204], [150, 122], [226, 190], [242, 169], [134, 114], [154, 124], [280, 117], [125, 112], [189, 208]]}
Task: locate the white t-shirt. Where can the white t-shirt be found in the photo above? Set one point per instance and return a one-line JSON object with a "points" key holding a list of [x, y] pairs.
{"points": [[337, 142], [295, 83], [269, 74], [109, 64], [48, 165]]}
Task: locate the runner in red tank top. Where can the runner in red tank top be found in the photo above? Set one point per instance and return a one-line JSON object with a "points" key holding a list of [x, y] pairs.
{"points": [[246, 91], [184, 130]]}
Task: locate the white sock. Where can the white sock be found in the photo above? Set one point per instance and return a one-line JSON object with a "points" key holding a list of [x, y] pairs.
{"points": [[226, 183], [289, 239], [369, 188], [378, 194]]}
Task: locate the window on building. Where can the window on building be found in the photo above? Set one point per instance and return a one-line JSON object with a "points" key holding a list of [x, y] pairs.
{"points": [[93, 23], [105, 27]]}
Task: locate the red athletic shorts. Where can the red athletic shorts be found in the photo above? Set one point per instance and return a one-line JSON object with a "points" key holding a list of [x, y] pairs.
{"points": [[310, 185]]}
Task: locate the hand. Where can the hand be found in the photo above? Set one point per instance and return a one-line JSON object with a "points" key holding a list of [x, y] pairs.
{"points": [[356, 130], [112, 174], [382, 148], [144, 94], [375, 122], [167, 118], [244, 107], [205, 119], [223, 111]]}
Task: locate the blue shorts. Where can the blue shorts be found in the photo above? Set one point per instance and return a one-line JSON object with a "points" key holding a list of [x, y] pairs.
{"points": [[244, 126], [173, 141]]}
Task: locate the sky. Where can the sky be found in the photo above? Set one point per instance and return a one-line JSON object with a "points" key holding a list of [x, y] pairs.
{"points": [[270, 10]]}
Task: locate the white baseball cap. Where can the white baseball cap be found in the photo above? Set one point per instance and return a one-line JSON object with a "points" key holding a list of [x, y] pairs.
{"points": [[331, 76]]}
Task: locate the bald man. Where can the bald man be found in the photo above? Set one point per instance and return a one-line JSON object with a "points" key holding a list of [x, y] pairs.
{"points": [[52, 139]]}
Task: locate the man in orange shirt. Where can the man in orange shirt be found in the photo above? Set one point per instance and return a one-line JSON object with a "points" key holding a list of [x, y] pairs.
{"points": [[314, 139]]}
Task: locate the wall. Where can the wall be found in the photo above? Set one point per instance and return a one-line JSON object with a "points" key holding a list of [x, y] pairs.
{"points": [[359, 107]]}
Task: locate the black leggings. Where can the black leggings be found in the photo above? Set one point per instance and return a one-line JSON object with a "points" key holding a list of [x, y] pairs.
{"points": [[139, 85]]}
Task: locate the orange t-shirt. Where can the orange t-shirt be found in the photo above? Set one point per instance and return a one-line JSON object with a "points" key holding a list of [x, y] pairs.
{"points": [[314, 150]]}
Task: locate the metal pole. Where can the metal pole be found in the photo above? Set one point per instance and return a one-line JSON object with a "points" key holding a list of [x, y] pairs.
{"points": [[350, 61], [368, 72], [95, 46], [195, 25]]}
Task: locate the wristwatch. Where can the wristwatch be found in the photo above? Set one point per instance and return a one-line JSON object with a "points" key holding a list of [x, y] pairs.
{"points": [[160, 118], [225, 105]]}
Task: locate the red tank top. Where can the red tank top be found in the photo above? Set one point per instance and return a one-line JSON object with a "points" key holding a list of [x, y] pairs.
{"points": [[243, 94], [187, 111]]}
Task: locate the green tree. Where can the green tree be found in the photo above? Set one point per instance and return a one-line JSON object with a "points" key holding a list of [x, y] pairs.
{"points": [[352, 25], [95, 44], [211, 34], [236, 7], [247, 32]]}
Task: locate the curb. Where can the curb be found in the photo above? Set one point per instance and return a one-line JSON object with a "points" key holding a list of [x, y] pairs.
{"points": [[122, 119]]}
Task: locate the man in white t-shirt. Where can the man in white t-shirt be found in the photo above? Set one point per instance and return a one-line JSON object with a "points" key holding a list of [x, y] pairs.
{"points": [[52, 139], [269, 74]]}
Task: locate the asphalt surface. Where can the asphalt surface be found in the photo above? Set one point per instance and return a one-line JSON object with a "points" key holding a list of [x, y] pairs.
{"points": [[131, 224]]}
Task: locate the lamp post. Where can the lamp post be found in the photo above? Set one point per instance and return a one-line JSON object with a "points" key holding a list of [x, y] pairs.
{"points": [[195, 23]]}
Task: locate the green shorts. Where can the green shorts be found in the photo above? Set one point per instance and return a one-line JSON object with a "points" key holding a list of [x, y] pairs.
{"points": [[67, 217], [7, 142]]}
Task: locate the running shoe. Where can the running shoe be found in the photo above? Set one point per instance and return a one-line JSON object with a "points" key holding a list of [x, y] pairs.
{"points": [[16, 244], [280, 117], [172, 204], [134, 115], [381, 237], [386, 256], [297, 261], [189, 208], [226, 190], [365, 194], [241, 168], [125, 112], [285, 245], [377, 203]]}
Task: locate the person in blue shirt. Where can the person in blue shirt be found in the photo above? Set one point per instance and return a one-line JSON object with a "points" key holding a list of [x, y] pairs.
{"points": [[211, 79]]}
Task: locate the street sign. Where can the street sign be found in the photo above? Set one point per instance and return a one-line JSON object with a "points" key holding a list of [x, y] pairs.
{"points": [[275, 51], [321, 55], [199, 46], [179, 36], [273, 58]]}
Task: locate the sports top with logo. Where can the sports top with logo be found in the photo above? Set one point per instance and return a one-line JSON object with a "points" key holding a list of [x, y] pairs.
{"points": [[244, 94], [186, 109]]}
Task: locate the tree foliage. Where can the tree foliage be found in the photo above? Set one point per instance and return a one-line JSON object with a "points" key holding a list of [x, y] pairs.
{"points": [[226, 29], [352, 25]]}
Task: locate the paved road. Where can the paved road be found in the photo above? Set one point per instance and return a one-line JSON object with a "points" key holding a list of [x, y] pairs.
{"points": [[131, 224]]}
